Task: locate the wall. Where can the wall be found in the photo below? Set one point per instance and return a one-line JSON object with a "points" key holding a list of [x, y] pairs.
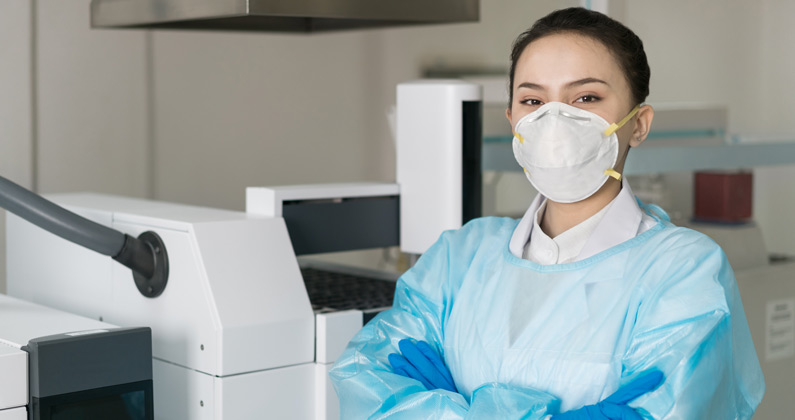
{"points": [[234, 110], [92, 127], [688, 44], [15, 102], [739, 54], [771, 114], [73, 103]]}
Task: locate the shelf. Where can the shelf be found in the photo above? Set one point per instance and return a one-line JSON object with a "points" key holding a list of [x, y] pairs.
{"points": [[498, 156]]}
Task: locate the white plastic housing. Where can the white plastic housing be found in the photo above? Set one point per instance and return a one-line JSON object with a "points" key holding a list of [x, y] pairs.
{"points": [[14, 382], [268, 201], [20, 322], [19, 413], [429, 158], [284, 393], [235, 305]]}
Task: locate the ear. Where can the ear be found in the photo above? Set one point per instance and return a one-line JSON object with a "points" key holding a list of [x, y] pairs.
{"points": [[642, 125], [508, 116]]}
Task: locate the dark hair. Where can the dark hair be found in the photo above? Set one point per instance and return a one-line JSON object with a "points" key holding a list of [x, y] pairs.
{"points": [[625, 46]]}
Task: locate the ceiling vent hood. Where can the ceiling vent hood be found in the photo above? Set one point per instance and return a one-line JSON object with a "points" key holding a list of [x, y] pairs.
{"points": [[278, 15]]}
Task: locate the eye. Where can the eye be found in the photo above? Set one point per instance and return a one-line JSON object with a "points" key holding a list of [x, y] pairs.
{"points": [[587, 99], [531, 102]]}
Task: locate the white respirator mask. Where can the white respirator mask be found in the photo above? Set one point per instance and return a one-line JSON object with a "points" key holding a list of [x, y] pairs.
{"points": [[567, 153]]}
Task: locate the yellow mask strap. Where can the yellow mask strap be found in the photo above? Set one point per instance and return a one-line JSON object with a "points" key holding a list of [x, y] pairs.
{"points": [[613, 173], [519, 136], [615, 126]]}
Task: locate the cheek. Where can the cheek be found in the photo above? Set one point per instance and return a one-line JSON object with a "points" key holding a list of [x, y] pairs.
{"points": [[515, 117], [625, 134], [610, 114]]}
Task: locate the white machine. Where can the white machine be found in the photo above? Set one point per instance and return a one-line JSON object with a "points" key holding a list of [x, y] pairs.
{"points": [[234, 333], [326, 218], [239, 332], [439, 142], [57, 365], [232, 330]]}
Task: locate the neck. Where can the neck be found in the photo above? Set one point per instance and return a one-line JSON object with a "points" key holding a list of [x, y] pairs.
{"points": [[560, 217]]}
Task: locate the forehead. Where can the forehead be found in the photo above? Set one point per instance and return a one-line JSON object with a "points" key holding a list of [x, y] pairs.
{"points": [[565, 57]]}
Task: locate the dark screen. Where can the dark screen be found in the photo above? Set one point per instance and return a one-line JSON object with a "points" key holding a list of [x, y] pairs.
{"points": [[129, 406], [132, 401]]}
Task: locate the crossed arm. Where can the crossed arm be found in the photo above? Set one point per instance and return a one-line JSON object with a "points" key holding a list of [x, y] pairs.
{"points": [[695, 347]]}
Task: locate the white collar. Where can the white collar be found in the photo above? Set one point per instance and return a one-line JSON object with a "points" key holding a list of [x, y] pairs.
{"points": [[621, 222], [563, 248]]}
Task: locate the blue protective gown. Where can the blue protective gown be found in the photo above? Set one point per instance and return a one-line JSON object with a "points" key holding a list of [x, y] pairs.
{"points": [[524, 340]]}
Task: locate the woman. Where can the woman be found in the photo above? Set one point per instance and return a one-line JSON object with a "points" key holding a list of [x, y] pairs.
{"points": [[563, 310]]}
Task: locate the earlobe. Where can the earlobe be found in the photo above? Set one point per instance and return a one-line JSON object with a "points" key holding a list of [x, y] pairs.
{"points": [[642, 125]]}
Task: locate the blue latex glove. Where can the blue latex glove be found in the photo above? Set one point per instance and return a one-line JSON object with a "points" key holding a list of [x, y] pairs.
{"points": [[419, 361], [615, 406]]}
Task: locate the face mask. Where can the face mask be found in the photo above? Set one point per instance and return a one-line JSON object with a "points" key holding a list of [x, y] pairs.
{"points": [[567, 153]]}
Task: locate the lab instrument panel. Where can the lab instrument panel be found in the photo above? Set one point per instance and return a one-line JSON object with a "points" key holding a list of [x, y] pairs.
{"points": [[57, 365], [234, 333]]}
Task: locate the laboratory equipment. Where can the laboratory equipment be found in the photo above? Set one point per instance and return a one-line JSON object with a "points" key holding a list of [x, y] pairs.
{"points": [[241, 328], [57, 365], [439, 141], [235, 330], [233, 327], [332, 218]]}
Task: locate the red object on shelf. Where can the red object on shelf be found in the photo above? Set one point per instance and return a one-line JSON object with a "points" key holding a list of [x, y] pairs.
{"points": [[723, 196]]}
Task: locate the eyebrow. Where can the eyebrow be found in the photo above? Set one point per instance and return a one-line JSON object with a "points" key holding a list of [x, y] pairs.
{"points": [[586, 81], [575, 83]]}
